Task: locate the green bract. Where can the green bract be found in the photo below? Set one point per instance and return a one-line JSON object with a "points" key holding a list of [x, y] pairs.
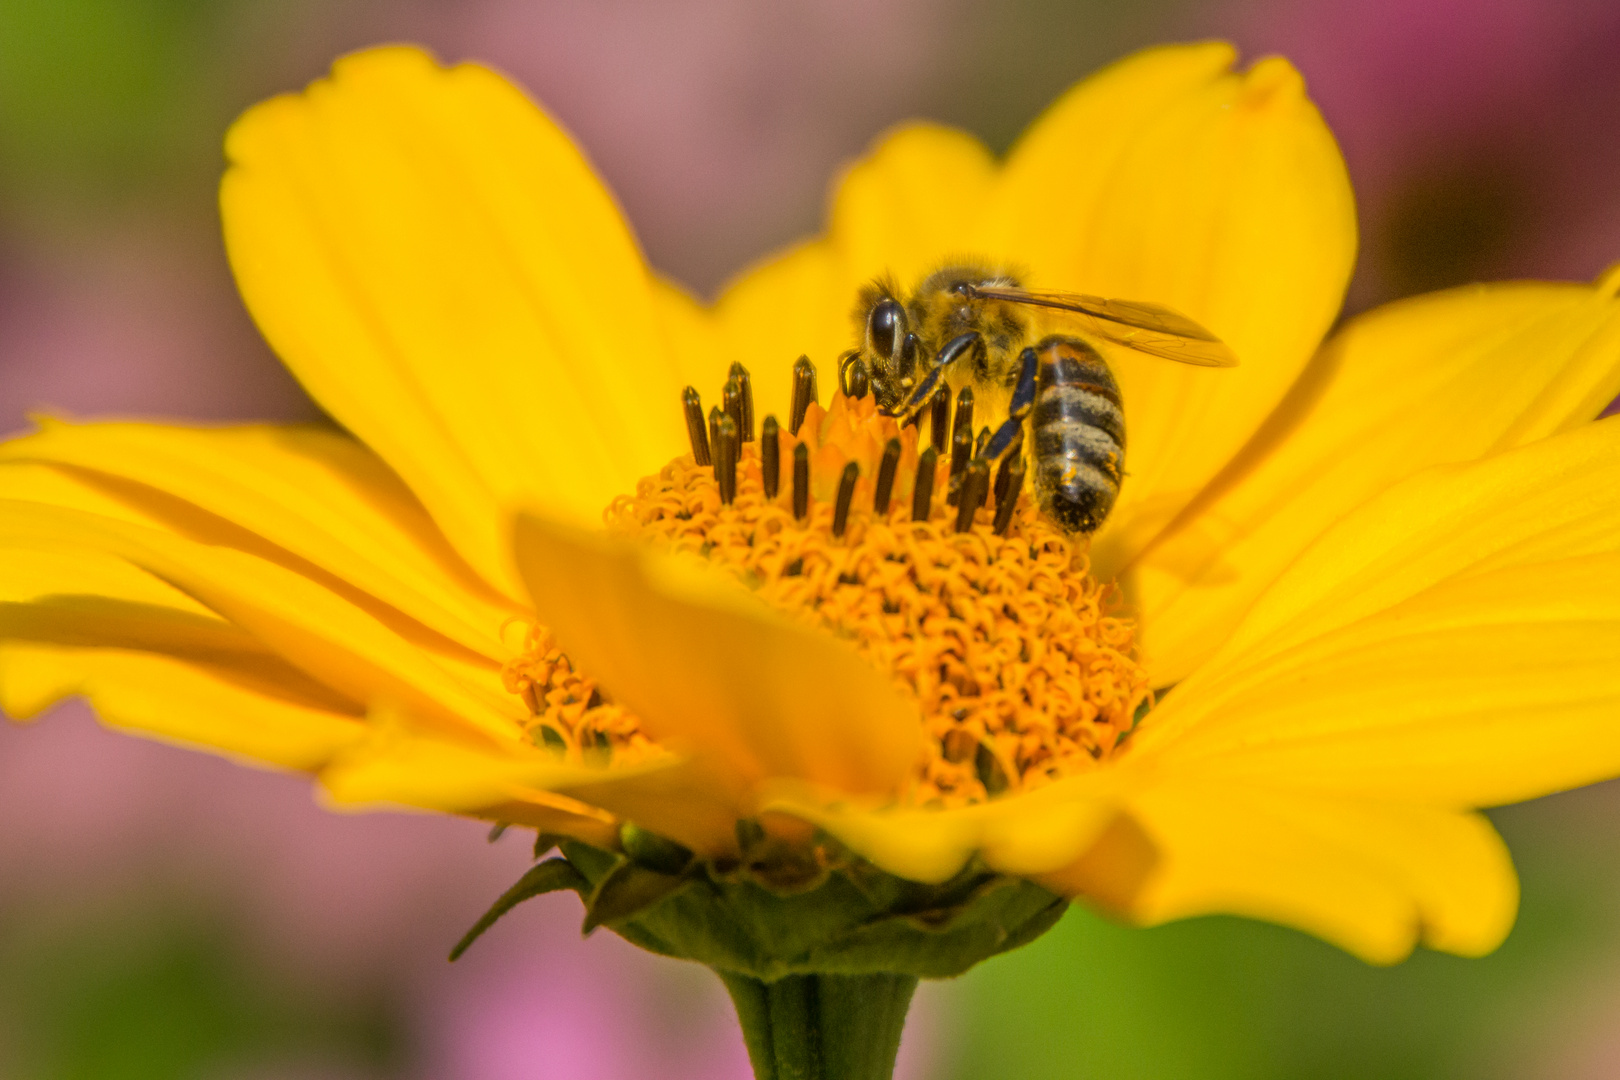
{"points": [[779, 910]]}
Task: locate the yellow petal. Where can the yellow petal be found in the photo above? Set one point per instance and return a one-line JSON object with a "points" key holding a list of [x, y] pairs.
{"points": [[85, 599], [1171, 179], [1374, 878], [1057, 179], [320, 496], [193, 704], [27, 481], [1550, 500], [400, 765], [1482, 691], [1452, 641], [687, 800], [693, 339], [78, 597], [900, 211], [706, 666], [438, 264], [1441, 378], [787, 307], [59, 591], [311, 627], [1027, 834], [83, 621], [912, 202], [396, 764]]}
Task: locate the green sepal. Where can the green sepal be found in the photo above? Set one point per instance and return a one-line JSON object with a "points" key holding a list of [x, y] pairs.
{"points": [[848, 918], [625, 891], [653, 851], [552, 875]]}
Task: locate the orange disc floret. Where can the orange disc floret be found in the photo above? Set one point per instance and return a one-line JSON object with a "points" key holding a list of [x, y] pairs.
{"points": [[1003, 639], [569, 714]]}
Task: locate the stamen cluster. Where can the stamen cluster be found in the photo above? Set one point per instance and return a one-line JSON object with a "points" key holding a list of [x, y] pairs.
{"points": [[986, 615]]}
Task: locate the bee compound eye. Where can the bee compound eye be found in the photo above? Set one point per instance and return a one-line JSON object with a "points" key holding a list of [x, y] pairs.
{"points": [[885, 327]]}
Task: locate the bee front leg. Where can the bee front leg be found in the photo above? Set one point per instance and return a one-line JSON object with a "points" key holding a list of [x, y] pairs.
{"points": [[958, 347]]}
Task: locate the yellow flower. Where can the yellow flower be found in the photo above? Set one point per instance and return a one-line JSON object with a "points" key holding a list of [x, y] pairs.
{"points": [[1376, 583]]}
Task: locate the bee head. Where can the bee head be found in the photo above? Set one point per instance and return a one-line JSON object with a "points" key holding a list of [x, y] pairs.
{"points": [[891, 348]]}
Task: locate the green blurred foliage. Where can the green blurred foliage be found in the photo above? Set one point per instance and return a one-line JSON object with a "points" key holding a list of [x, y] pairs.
{"points": [[1010, 59], [1219, 998], [151, 988], [101, 101]]}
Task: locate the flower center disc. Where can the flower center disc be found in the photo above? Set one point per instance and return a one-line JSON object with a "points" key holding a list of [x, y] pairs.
{"points": [[1000, 636]]}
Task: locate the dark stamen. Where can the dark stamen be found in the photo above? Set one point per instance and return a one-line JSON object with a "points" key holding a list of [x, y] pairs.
{"points": [[854, 379], [940, 419], [727, 448], [975, 485], [959, 745], [714, 433], [846, 492], [745, 414], [991, 774], [1009, 481], [978, 443], [1014, 450], [961, 451], [801, 481], [885, 476], [770, 456], [731, 403], [923, 491], [692, 402], [963, 421], [804, 392]]}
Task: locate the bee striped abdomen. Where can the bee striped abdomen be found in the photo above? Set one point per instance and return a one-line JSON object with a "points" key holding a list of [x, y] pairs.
{"points": [[1078, 435]]}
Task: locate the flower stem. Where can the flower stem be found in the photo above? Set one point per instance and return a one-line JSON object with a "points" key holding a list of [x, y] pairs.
{"points": [[822, 1027]]}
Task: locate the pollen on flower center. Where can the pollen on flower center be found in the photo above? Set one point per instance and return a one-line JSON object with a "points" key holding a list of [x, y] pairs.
{"points": [[980, 610]]}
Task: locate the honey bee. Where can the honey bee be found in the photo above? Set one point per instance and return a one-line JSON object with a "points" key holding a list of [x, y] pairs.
{"points": [[968, 329]]}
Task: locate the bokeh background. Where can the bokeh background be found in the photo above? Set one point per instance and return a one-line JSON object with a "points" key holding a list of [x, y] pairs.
{"points": [[166, 914]]}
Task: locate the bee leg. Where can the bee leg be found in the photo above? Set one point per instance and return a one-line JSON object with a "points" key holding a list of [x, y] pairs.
{"points": [[1023, 398], [1003, 437], [919, 395], [954, 350]]}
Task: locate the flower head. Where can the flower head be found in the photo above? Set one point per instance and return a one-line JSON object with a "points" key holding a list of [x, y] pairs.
{"points": [[1347, 593]]}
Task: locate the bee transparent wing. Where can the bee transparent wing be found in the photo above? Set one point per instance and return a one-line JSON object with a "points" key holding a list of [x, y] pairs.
{"points": [[1135, 324]]}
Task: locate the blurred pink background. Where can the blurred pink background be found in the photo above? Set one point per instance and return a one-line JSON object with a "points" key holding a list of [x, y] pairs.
{"points": [[1480, 136]]}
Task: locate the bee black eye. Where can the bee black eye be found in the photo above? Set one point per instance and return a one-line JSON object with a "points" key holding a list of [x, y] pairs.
{"points": [[885, 327]]}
